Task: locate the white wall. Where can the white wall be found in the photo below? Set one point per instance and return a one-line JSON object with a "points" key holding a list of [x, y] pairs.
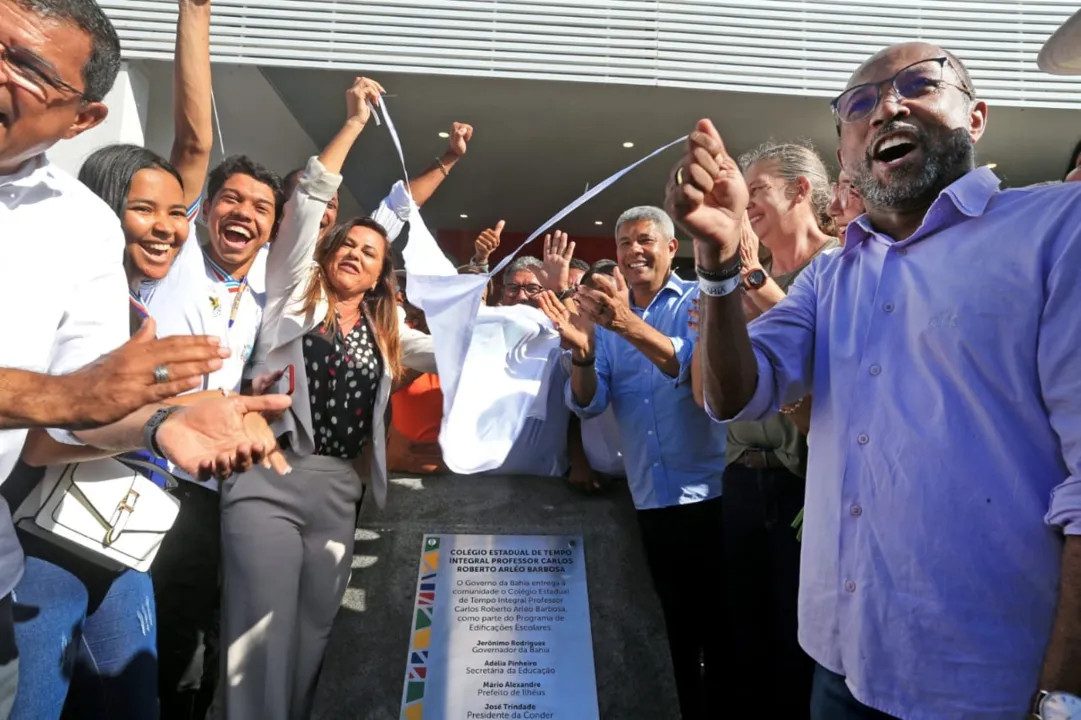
{"points": [[126, 123], [254, 120]]}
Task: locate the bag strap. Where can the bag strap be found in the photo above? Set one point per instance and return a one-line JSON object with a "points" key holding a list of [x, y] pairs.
{"points": [[171, 480]]}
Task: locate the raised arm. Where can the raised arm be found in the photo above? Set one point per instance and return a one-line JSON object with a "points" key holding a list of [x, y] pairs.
{"points": [[423, 186], [192, 112], [393, 211], [289, 262], [708, 196]]}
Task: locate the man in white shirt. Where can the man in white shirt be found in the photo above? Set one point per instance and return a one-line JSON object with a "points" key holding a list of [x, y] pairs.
{"points": [[58, 59]]}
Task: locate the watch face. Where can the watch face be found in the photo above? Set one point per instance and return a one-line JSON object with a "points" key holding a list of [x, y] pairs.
{"points": [[1060, 706], [756, 278]]}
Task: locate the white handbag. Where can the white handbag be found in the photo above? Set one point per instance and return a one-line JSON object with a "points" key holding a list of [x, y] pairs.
{"points": [[103, 511]]}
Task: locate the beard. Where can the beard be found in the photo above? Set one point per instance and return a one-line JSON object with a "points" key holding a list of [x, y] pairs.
{"points": [[948, 154]]}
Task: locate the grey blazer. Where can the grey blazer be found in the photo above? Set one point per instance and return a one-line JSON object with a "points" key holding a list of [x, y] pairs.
{"points": [[281, 335]]}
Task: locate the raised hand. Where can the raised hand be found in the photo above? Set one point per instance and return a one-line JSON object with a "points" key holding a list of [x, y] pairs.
{"points": [[486, 243], [357, 98], [555, 275], [707, 195], [575, 330], [749, 247], [140, 372], [460, 135], [223, 436], [609, 306]]}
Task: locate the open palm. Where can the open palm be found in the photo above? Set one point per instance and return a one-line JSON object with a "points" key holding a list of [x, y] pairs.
{"points": [[223, 436]]}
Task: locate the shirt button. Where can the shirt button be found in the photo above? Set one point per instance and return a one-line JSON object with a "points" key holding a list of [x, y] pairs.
{"points": [[850, 586], [876, 370], [863, 439], [647, 402], [856, 511], [649, 432], [888, 307], [656, 464]]}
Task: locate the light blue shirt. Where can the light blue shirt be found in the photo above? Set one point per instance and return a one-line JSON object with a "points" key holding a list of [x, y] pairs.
{"points": [[945, 446], [672, 452]]}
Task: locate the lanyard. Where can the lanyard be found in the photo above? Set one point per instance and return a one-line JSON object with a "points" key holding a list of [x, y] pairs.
{"points": [[137, 305], [237, 287]]}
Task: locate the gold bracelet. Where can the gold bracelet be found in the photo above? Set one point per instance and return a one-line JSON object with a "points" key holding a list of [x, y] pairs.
{"points": [[446, 172]]}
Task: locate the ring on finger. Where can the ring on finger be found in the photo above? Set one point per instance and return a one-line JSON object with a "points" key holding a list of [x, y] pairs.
{"points": [[161, 374], [679, 176]]}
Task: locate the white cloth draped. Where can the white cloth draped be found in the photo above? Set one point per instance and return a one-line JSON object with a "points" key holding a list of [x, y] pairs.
{"points": [[491, 360]]}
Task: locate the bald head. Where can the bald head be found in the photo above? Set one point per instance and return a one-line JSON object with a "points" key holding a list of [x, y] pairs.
{"points": [[908, 122], [918, 51]]}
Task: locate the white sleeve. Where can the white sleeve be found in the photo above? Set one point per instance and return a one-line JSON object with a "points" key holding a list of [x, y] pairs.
{"points": [[96, 319], [393, 211]]}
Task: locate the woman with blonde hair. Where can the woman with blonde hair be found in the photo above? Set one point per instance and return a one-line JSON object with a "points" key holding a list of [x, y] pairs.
{"points": [[788, 213], [330, 337]]}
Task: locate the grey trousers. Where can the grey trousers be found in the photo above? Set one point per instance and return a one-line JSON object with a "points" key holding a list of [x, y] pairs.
{"points": [[287, 544]]}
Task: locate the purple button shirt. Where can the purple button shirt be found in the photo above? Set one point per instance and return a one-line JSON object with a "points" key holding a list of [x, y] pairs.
{"points": [[945, 446]]}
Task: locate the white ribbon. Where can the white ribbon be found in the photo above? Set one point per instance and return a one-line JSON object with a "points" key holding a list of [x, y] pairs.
{"points": [[492, 361]]}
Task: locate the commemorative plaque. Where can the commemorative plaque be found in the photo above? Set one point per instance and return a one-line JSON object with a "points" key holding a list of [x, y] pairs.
{"points": [[501, 631]]}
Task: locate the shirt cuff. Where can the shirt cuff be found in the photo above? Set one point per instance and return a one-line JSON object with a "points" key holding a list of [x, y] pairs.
{"points": [[399, 201], [1065, 510], [318, 182], [761, 405], [66, 437], [594, 408], [684, 348]]}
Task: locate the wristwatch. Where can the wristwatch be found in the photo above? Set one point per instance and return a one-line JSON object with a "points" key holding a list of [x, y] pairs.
{"points": [[756, 278], [1057, 706], [150, 430]]}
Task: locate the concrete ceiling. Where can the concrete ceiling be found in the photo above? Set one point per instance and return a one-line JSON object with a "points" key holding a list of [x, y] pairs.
{"points": [[538, 143]]}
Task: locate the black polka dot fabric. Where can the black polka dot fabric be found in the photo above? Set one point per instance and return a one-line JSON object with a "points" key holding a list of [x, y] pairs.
{"points": [[343, 379]]}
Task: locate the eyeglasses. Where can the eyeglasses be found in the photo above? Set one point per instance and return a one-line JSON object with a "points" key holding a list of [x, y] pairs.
{"points": [[913, 82], [33, 73], [530, 290]]}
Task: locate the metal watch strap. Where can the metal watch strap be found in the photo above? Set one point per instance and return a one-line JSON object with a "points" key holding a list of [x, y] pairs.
{"points": [[150, 430]]}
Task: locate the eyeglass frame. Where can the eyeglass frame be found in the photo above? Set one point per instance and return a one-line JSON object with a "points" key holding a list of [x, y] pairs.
{"points": [[506, 289], [45, 79], [942, 61]]}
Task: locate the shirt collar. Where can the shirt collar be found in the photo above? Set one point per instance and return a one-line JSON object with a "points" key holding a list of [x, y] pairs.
{"points": [[33, 172], [969, 195], [674, 284]]}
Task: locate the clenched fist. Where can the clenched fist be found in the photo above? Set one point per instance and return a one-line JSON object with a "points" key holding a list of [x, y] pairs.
{"points": [[707, 196], [460, 135]]}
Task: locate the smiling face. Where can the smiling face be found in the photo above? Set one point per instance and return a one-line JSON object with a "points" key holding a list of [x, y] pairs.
{"points": [[644, 255], [907, 150], [357, 264], [240, 221], [772, 202], [36, 111], [520, 287], [155, 223]]}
